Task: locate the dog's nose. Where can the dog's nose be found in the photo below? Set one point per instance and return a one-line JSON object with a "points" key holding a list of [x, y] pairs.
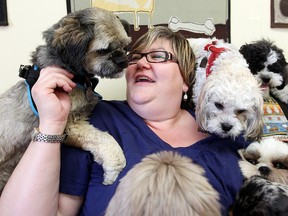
{"points": [[120, 58], [264, 170], [226, 127], [265, 79]]}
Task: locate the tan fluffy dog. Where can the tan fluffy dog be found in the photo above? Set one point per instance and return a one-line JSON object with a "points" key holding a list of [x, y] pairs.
{"points": [[165, 183], [86, 43]]}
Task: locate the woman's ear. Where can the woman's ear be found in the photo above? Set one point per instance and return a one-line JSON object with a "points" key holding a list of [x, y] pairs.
{"points": [[185, 87]]}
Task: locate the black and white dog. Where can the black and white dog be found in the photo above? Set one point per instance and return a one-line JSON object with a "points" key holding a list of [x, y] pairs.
{"points": [[260, 196], [269, 66], [265, 189]]}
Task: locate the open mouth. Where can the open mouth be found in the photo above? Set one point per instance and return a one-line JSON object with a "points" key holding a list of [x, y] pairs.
{"points": [[265, 86], [144, 79]]}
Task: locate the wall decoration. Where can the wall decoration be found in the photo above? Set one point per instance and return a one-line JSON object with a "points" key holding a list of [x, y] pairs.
{"points": [[193, 18], [279, 13], [3, 13]]}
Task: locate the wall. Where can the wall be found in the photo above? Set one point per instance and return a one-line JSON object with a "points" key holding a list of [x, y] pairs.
{"points": [[250, 20]]}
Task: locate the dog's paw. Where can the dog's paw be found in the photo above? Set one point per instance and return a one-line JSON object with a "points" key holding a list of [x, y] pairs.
{"points": [[112, 169], [104, 148]]}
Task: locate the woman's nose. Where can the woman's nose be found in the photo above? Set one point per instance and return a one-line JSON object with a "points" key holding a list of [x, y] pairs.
{"points": [[143, 62]]}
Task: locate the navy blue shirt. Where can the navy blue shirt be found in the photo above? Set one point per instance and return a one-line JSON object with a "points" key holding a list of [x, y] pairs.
{"points": [[81, 176]]}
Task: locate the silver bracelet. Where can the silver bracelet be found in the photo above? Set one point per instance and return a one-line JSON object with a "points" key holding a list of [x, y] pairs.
{"points": [[39, 137]]}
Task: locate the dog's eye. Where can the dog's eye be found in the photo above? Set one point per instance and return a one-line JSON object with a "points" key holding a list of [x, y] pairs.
{"points": [[279, 165], [254, 162], [126, 49], [238, 112], [103, 51], [276, 68], [219, 106]]}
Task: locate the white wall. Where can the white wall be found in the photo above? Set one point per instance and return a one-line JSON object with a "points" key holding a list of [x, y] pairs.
{"points": [[250, 20], [27, 19]]}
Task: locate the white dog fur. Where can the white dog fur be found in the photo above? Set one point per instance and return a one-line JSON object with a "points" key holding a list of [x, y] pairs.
{"points": [[268, 158], [264, 192], [229, 101]]}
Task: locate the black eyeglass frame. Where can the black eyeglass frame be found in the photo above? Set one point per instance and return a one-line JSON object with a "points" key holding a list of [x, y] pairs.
{"points": [[168, 57]]}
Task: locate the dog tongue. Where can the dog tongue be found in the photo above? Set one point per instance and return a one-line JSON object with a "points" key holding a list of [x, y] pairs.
{"points": [[265, 90], [265, 86]]}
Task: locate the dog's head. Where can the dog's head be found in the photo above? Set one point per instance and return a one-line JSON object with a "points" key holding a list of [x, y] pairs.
{"points": [[92, 40], [267, 63], [259, 196], [165, 183], [269, 159], [230, 103]]}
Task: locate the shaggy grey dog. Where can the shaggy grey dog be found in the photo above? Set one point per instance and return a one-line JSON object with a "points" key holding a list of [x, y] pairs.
{"points": [[165, 183], [88, 42], [261, 197]]}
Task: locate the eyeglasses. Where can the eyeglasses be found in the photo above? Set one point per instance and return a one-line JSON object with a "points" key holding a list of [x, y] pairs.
{"points": [[152, 57]]}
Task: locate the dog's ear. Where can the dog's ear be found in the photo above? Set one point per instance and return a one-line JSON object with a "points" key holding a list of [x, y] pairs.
{"points": [[255, 122], [253, 56], [69, 38], [247, 52], [126, 26], [241, 153], [244, 50], [201, 107]]}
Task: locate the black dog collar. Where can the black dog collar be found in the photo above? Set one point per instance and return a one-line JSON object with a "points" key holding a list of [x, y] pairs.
{"points": [[31, 74]]}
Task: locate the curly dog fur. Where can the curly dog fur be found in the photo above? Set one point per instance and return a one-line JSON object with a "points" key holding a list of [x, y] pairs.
{"points": [[228, 99]]}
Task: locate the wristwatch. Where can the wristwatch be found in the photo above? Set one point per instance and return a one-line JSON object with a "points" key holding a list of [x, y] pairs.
{"points": [[39, 137]]}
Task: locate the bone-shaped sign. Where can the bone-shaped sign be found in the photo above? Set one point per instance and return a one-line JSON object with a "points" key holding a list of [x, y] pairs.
{"points": [[208, 28]]}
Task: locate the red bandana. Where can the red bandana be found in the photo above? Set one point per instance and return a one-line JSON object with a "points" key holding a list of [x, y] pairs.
{"points": [[215, 52]]}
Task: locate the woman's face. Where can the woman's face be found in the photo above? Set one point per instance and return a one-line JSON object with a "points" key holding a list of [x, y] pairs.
{"points": [[155, 82]]}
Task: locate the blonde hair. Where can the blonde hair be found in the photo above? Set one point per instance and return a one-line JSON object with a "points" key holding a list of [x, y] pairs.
{"points": [[182, 51]]}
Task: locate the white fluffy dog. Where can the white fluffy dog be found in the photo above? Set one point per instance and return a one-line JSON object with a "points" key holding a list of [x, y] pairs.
{"points": [[228, 98]]}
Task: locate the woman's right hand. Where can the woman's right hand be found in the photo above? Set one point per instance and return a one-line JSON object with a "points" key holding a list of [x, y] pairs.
{"points": [[33, 187], [50, 94]]}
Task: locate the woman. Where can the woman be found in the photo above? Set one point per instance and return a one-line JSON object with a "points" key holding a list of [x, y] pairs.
{"points": [[155, 117]]}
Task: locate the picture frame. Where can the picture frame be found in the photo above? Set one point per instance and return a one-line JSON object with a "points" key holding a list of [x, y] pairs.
{"points": [[279, 13], [209, 19], [3, 13]]}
